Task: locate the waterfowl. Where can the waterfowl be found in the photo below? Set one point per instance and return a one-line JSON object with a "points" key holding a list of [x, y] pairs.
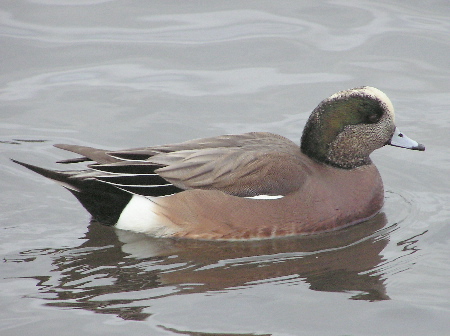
{"points": [[249, 186]]}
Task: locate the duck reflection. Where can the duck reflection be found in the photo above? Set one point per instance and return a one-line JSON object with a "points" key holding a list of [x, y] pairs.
{"points": [[118, 272]]}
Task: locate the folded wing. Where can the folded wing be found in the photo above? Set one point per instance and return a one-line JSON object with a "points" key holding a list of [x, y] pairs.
{"points": [[244, 165]]}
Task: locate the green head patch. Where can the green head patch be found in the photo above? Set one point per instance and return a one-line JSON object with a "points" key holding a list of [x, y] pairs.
{"points": [[332, 115]]}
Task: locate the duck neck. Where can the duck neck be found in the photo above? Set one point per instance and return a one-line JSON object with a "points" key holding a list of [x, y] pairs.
{"points": [[334, 153]]}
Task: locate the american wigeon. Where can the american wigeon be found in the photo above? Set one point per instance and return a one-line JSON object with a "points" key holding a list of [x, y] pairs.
{"points": [[249, 186]]}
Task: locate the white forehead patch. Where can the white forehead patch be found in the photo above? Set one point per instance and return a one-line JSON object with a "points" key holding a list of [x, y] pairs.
{"points": [[369, 91], [382, 97]]}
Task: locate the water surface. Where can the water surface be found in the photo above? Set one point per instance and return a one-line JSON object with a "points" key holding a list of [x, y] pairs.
{"points": [[118, 74]]}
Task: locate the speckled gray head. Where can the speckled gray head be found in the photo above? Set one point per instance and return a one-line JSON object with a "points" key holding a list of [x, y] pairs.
{"points": [[345, 128]]}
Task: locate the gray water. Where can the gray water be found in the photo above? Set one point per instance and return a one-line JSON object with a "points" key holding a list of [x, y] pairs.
{"points": [[121, 74]]}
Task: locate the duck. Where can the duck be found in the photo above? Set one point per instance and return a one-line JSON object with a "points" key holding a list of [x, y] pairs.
{"points": [[255, 185]]}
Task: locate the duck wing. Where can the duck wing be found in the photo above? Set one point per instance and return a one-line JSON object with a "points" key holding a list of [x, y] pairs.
{"points": [[244, 165]]}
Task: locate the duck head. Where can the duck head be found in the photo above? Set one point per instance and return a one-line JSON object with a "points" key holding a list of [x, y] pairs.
{"points": [[345, 128]]}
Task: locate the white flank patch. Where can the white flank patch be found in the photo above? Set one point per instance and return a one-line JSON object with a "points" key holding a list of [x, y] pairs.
{"points": [[139, 216], [266, 197]]}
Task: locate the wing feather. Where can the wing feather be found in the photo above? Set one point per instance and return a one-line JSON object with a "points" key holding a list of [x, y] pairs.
{"points": [[249, 164]]}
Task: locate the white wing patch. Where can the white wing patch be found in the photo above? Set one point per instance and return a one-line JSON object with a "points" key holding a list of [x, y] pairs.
{"points": [[266, 197]]}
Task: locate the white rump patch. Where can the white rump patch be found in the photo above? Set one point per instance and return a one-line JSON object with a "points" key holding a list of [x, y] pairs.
{"points": [[139, 216], [266, 197]]}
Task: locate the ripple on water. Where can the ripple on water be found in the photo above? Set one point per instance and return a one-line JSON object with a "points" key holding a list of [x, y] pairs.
{"points": [[121, 273]]}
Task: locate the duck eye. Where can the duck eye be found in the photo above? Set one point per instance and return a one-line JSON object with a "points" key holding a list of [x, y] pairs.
{"points": [[373, 118]]}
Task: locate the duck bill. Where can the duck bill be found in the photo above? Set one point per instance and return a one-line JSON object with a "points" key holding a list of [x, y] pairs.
{"points": [[401, 140]]}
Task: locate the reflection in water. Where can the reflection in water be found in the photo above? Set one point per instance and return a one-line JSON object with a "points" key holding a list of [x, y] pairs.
{"points": [[196, 333], [117, 272]]}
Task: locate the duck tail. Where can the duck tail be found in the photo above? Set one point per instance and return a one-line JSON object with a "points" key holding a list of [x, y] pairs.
{"points": [[103, 201]]}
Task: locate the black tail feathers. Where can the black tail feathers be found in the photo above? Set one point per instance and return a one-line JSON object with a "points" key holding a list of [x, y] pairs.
{"points": [[103, 201]]}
